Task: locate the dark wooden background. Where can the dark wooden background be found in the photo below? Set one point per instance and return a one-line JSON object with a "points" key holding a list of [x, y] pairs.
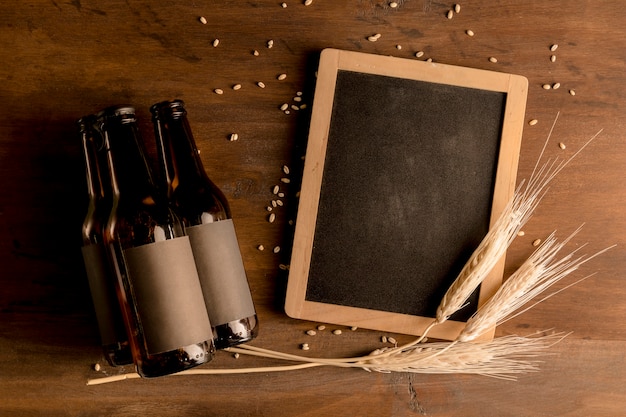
{"points": [[63, 59]]}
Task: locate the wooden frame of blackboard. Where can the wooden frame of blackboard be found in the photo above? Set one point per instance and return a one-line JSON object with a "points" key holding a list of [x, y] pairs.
{"points": [[513, 89]]}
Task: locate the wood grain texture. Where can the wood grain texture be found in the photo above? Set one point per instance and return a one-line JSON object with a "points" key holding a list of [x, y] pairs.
{"points": [[62, 60]]}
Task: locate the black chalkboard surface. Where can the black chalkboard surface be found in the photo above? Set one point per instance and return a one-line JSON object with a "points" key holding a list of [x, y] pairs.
{"points": [[407, 165]]}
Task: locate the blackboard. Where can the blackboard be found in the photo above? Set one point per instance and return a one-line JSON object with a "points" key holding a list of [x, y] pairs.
{"points": [[408, 163]]}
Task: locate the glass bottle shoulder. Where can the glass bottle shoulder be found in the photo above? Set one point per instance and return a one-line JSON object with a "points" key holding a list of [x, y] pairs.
{"points": [[137, 223], [199, 203]]}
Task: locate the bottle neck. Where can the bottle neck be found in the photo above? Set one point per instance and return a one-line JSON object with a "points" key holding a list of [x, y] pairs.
{"points": [[98, 187], [189, 187], [129, 170], [178, 153], [139, 215]]}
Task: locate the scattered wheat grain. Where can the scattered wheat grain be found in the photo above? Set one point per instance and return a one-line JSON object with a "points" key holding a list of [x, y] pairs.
{"points": [[572, 92], [216, 42], [321, 327], [96, 367], [546, 86], [304, 346], [311, 332], [281, 77], [536, 242], [272, 218], [218, 91], [203, 20], [337, 331], [554, 47], [469, 32], [261, 247], [261, 84], [533, 122], [555, 86], [308, 2], [234, 137], [493, 59], [552, 58], [457, 8], [450, 14], [419, 54], [561, 145]]}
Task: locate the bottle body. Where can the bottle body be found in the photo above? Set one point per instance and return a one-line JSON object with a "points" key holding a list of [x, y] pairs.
{"points": [[158, 284], [206, 215], [100, 276]]}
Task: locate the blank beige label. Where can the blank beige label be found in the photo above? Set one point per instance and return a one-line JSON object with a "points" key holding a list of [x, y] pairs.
{"points": [[168, 295], [221, 271], [102, 293]]}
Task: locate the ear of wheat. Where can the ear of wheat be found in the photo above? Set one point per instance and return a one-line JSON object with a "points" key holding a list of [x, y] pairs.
{"points": [[489, 252], [495, 244], [504, 357], [539, 272]]}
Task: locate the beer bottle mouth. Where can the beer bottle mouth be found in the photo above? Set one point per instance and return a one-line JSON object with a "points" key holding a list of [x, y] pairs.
{"points": [[86, 122], [172, 108], [125, 113]]}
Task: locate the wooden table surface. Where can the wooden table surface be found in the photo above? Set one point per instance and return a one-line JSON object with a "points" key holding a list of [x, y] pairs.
{"points": [[64, 59]]}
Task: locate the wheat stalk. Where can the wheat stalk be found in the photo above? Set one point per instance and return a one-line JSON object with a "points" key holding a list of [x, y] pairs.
{"points": [[504, 357]]}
